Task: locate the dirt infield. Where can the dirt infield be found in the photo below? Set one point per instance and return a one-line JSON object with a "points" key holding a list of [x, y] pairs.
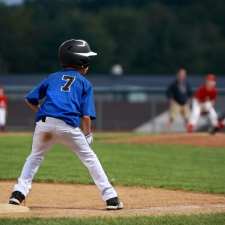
{"points": [[66, 200], [195, 139]]}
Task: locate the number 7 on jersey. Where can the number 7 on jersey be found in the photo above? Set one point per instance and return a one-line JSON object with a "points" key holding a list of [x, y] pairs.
{"points": [[69, 81]]}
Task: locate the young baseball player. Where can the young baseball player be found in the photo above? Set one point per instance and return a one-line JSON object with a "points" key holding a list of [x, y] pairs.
{"points": [[67, 104], [203, 102], [3, 109]]}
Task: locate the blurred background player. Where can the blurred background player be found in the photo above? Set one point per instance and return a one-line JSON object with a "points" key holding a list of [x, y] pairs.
{"points": [[204, 102], [3, 109], [179, 94]]}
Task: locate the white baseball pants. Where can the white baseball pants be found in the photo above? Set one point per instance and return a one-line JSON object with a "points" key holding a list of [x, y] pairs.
{"points": [[2, 116], [198, 107], [57, 131]]}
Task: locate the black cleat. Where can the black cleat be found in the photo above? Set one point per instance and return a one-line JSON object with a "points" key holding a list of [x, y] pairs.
{"points": [[214, 130], [16, 198], [114, 204], [218, 128]]}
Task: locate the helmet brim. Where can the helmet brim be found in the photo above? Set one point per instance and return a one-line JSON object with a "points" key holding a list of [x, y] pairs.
{"points": [[87, 54]]}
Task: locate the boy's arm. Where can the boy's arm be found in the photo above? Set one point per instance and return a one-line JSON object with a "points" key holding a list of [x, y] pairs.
{"points": [[34, 96], [34, 108], [86, 125], [88, 113], [86, 128]]}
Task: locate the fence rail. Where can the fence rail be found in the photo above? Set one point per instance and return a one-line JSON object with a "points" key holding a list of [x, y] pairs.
{"points": [[119, 108]]}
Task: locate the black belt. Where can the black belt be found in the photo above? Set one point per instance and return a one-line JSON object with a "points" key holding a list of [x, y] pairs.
{"points": [[43, 119]]}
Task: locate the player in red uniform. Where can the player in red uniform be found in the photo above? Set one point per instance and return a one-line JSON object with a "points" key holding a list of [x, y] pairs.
{"points": [[3, 109], [203, 102]]}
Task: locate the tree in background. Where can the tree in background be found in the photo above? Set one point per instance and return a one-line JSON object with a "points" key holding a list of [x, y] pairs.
{"points": [[144, 36]]}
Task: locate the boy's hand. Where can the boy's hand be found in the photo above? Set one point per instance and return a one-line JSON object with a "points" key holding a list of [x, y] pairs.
{"points": [[89, 138]]}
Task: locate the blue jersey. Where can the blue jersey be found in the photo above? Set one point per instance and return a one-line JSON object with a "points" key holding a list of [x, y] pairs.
{"points": [[67, 95]]}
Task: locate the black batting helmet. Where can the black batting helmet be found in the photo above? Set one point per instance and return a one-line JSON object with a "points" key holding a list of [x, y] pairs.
{"points": [[75, 53]]}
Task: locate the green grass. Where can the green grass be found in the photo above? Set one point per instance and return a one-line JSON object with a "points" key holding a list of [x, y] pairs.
{"points": [[166, 166], [213, 219]]}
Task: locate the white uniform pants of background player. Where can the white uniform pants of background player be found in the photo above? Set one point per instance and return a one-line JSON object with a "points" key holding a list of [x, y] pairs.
{"points": [[48, 133], [2, 117], [198, 108]]}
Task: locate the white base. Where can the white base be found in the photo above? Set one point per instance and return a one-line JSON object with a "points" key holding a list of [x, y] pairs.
{"points": [[8, 208]]}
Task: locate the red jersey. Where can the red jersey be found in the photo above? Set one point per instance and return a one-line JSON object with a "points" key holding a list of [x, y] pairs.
{"points": [[203, 95], [3, 101]]}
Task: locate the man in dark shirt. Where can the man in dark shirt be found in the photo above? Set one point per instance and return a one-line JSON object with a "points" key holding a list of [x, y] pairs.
{"points": [[179, 93]]}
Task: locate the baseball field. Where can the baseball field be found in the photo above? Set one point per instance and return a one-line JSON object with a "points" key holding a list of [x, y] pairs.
{"points": [[162, 179]]}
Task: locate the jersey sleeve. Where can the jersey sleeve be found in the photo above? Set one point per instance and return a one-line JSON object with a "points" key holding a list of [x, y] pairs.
{"points": [[88, 106], [214, 95], [199, 94], [38, 93]]}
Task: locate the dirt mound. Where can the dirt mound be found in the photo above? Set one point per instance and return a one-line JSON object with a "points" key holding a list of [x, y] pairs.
{"points": [[67, 200], [195, 139]]}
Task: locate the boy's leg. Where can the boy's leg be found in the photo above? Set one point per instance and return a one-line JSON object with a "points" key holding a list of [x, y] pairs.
{"points": [[194, 116], [2, 119], [185, 112], [212, 114], [76, 140], [173, 111], [42, 141]]}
